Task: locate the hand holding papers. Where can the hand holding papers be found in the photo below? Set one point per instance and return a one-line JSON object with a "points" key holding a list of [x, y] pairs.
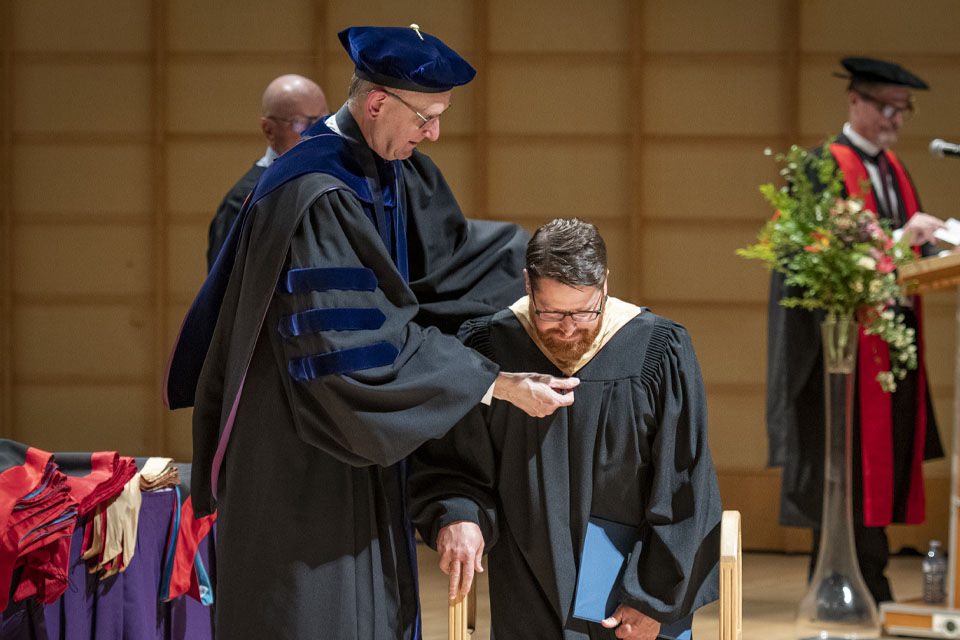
{"points": [[949, 233]]}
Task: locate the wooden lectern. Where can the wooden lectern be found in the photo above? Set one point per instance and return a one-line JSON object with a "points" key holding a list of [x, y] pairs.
{"points": [[916, 618]]}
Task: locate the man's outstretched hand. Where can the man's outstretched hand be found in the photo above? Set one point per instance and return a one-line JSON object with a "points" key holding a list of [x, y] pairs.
{"points": [[536, 394]]}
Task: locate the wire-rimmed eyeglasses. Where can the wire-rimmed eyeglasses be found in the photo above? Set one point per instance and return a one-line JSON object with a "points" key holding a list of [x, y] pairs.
{"points": [[426, 119], [888, 110], [576, 316], [299, 123]]}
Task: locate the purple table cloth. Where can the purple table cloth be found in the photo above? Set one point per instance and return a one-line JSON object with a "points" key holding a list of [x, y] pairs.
{"points": [[123, 606]]}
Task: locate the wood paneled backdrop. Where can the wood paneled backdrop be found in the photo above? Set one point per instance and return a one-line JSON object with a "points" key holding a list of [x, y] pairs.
{"points": [[125, 121]]}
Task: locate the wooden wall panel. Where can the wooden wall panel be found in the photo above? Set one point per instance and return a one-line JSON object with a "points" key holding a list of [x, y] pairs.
{"points": [[222, 96], [729, 342], [936, 109], [735, 26], [459, 120], [336, 80], [553, 179], [72, 27], [704, 179], [738, 436], [450, 20], [56, 260], [706, 268], [621, 257], [187, 257], [534, 97], [561, 25], [823, 99], [940, 324], [61, 179], [83, 342], [937, 179], [885, 28], [201, 171], [104, 97], [684, 97], [84, 418], [241, 26]]}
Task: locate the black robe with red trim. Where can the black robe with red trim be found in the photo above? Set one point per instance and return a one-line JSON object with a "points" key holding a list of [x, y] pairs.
{"points": [[902, 430]]}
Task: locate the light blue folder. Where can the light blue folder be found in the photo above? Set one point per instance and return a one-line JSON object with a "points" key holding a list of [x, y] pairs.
{"points": [[605, 550]]}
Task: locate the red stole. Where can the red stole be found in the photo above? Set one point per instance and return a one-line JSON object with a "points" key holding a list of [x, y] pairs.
{"points": [[876, 416]]}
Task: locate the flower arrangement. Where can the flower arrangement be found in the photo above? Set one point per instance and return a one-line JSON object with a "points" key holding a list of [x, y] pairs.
{"points": [[840, 257]]}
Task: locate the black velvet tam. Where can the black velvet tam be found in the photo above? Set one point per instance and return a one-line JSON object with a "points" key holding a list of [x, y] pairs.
{"points": [[880, 72]]}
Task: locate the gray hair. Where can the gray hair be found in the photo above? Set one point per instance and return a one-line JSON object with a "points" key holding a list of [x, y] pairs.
{"points": [[359, 87], [569, 251]]}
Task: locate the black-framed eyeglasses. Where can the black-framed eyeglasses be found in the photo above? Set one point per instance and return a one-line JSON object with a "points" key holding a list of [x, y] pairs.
{"points": [[888, 110], [576, 316], [426, 119], [299, 123]]}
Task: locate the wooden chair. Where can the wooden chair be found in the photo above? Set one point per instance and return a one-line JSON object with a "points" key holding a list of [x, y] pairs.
{"points": [[731, 577], [462, 613]]}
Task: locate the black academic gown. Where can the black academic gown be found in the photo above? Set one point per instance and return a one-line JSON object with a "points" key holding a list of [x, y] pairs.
{"points": [[796, 414], [228, 210], [312, 536], [632, 449]]}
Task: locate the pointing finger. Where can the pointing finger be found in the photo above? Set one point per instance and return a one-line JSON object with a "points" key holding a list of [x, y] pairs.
{"points": [[454, 580]]}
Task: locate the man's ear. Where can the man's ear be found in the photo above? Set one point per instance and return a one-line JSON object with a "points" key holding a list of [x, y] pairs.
{"points": [[374, 103], [269, 131]]}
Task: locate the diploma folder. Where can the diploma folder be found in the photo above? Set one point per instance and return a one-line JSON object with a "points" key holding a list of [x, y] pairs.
{"points": [[605, 550]]}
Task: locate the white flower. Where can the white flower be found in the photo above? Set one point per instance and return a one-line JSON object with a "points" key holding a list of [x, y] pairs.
{"points": [[886, 380], [867, 263]]}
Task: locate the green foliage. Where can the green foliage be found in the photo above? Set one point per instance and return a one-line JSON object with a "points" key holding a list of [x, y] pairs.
{"points": [[840, 256]]}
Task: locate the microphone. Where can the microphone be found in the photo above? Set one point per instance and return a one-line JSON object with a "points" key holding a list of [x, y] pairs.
{"points": [[940, 148]]}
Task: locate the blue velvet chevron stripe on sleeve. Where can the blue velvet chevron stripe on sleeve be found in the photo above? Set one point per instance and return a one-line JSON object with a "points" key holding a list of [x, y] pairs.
{"points": [[327, 278], [314, 321], [344, 361], [317, 320]]}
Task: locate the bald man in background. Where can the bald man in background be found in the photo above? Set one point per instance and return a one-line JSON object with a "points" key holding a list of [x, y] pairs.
{"points": [[291, 103]]}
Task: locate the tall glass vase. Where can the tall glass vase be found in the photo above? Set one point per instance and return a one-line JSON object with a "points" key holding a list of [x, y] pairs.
{"points": [[837, 603]]}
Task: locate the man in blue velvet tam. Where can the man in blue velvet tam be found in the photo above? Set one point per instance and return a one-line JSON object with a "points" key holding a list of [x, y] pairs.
{"points": [[325, 356]]}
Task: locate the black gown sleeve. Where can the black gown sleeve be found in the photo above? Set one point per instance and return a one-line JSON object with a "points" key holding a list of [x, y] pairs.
{"points": [[380, 410], [673, 568], [453, 478]]}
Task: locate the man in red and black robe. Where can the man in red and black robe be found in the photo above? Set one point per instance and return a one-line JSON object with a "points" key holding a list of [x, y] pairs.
{"points": [[893, 433]]}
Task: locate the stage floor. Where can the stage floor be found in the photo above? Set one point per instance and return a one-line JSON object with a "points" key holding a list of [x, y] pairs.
{"points": [[772, 586]]}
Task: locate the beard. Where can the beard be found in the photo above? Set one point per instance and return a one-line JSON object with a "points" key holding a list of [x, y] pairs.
{"points": [[572, 349], [886, 139]]}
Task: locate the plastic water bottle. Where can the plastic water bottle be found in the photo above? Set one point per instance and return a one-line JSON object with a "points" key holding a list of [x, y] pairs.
{"points": [[934, 574]]}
